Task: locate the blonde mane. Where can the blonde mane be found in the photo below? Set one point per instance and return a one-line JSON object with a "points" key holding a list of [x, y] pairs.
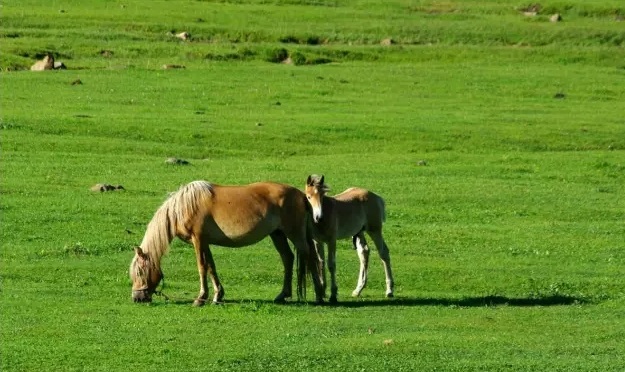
{"points": [[181, 206]]}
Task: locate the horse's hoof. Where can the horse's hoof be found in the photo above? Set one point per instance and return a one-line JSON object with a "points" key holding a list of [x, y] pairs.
{"points": [[334, 300], [279, 300], [216, 303], [390, 295], [199, 302], [219, 296], [355, 293]]}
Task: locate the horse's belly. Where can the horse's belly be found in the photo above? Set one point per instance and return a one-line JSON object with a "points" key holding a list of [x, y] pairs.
{"points": [[236, 240], [241, 233], [349, 227]]}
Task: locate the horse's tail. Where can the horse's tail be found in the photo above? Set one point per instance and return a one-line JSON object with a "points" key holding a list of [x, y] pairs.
{"points": [[302, 264], [308, 264], [171, 218], [383, 206]]}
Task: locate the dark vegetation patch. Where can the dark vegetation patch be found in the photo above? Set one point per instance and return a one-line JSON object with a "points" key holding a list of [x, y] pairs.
{"points": [[9, 35], [306, 40], [8, 126], [322, 3], [240, 55], [276, 55], [314, 56], [39, 54]]}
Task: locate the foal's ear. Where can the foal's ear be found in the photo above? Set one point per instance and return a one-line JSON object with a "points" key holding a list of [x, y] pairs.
{"points": [[309, 181], [321, 179]]}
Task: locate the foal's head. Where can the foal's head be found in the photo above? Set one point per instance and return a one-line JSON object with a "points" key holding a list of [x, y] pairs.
{"points": [[315, 191], [145, 275]]}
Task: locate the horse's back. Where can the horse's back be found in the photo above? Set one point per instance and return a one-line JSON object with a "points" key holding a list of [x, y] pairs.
{"points": [[262, 207], [369, 205], [361, 195], [269, 191]]}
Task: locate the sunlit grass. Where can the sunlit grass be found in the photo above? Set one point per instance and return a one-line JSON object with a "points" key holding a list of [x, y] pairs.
{"points": [[499, 149]]}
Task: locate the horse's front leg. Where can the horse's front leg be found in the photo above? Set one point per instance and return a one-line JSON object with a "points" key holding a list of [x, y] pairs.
{"points": [[332, 268], [206, 264], [281, 243]]}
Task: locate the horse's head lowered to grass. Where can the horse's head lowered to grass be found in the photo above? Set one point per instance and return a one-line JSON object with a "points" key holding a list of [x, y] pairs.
{"points": [[145, 275]]}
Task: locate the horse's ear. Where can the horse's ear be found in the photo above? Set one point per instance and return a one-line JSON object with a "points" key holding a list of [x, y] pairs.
{"points": [[139, 252], [321, 180], [309, 181]]}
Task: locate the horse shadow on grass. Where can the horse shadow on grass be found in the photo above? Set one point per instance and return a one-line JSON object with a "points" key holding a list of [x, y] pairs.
{"points": [[480, 301]]}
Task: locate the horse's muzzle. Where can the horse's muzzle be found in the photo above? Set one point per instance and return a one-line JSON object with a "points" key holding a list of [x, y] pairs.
{"points": [[141, 295]]}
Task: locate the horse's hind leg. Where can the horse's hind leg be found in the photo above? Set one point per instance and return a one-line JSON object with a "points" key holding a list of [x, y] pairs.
{"points": [[360, 244], [321, 258], [282, 246], [308, 261], [383, 251], [206, 264]]}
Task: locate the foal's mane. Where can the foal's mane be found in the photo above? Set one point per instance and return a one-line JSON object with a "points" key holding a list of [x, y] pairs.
{"points": [[318, 182], [179, 207]]}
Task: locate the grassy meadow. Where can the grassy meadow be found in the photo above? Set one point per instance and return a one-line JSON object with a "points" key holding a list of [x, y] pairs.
{"points": [[497, 140]]}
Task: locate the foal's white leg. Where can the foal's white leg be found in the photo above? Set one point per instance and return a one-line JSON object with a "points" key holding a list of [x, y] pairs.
{"points": [[360, 244], [332, 267], [384, 253]]}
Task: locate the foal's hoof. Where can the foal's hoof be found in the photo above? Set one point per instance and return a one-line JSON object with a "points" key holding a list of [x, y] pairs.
{"points": [[390, 295], [199, 302], [333, 300]]}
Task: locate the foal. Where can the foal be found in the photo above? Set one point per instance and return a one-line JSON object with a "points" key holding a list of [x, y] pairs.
{"points": [[348, 215]]}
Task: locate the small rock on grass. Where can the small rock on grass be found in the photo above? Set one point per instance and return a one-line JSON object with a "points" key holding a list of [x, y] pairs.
{"points": [[555, 18], [176, 161], [172, 67], [102, 187]]}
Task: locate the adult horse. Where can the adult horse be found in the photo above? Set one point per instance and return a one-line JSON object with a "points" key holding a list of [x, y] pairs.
{"points": [[348, 215], [204, 213]]}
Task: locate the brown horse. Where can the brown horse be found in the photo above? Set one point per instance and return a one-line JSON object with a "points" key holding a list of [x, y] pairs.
{"points": [[203, 213], [348, 215]]}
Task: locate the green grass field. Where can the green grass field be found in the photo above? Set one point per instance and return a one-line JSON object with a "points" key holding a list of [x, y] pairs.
{"points": [[497, 140]]}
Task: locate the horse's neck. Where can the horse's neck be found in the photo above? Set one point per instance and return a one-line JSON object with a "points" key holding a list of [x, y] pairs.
{"points": [[328, 203]]}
